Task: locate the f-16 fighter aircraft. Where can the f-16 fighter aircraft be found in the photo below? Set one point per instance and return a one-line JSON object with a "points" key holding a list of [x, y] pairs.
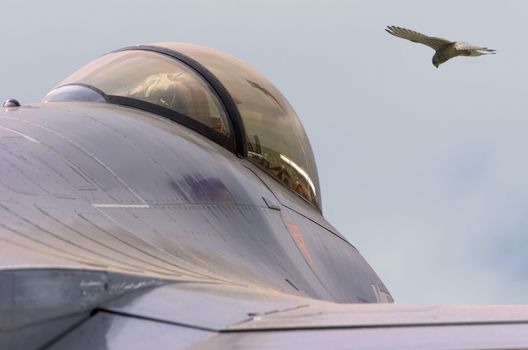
{"points": [[166, 196]]}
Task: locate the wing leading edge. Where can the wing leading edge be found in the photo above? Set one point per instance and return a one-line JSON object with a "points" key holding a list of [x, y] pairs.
{"points": [[212, 316]]}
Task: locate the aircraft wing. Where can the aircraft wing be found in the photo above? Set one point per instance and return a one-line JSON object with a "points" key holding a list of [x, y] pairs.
{"points": [[200, 315]]}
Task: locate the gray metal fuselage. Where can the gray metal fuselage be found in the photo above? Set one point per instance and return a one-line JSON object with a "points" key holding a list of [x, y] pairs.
{"points": [[104, 189]]}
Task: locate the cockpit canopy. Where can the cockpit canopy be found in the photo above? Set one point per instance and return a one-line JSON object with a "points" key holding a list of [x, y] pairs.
{"points": [[211, 92]]}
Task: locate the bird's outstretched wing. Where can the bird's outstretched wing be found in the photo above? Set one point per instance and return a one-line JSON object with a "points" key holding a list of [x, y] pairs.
{"points": [[432, 42]]}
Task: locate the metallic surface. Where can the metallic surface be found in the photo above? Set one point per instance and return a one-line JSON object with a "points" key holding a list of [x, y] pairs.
{"points": [[121, 229], [11, 103], [94, 187], [108, 331], [38, 305], [98, 186], [207, 316], [455, 337]]}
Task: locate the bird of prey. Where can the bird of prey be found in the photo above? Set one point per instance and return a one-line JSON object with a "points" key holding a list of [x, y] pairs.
{"points": [[445, 49]]}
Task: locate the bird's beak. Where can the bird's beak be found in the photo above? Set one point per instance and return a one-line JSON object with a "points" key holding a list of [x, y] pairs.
{"points": [[436, 65]]}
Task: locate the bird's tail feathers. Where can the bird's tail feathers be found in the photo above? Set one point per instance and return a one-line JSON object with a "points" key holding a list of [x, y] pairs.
{"points": [[473, 50], [486, 51]]}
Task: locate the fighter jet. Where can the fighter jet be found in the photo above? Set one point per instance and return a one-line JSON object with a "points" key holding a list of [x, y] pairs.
{"points": [[166, 196]]}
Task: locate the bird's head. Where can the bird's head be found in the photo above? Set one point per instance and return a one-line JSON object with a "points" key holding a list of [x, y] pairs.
{"points": [[438, 59]]}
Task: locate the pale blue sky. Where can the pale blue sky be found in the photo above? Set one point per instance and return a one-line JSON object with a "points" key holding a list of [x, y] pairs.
{"points": [[423, 169]]}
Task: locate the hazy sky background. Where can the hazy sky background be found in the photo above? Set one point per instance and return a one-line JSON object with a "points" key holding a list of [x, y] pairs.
{"points": [[423, 169]]}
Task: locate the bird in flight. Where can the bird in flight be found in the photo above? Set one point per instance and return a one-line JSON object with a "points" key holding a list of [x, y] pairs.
{"points": [[445, 49]]}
